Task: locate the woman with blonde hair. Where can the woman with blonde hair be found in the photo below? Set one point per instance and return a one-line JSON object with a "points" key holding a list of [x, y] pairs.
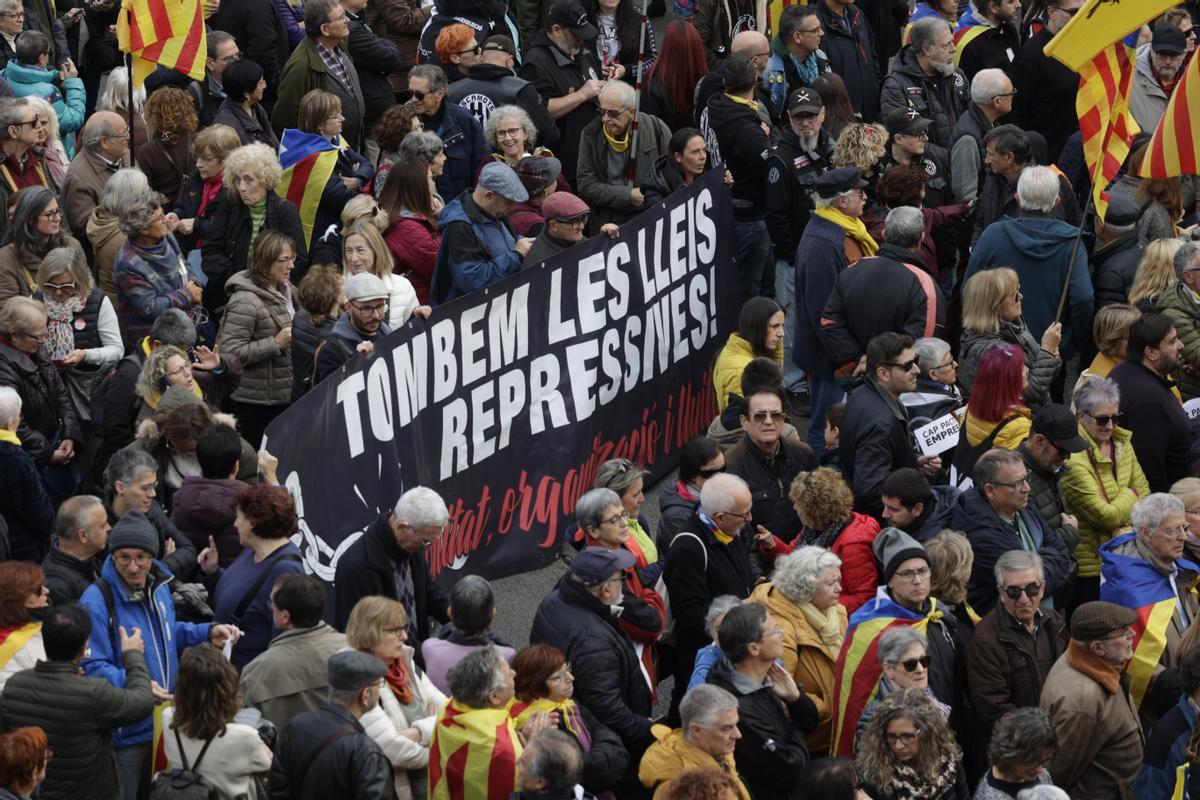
{"points": [[908, 751], [992, 317], [861, 144], [1155, 273], [402, 723], [950, 561], [362, 208], [1188, 490], [363, 250], [56, 154]]}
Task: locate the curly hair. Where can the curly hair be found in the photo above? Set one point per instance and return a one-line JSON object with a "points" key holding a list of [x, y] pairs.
{"points": [[861, 145], [318, 291], [207, 694], [139, 211], [394, 125], [902, 185], [18, 580], [796, 574], [534, 665], [270, 510], [876, 763], [700, 783], [511, 112], [823, 496], [169, 109], [452, 41], [256, 159], [154, 371], [950, 560], [368, 619]]}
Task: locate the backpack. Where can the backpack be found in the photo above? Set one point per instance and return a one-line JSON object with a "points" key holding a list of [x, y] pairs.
{"points": [[100, 389], [184, 783], [660, 586], [965, 455]]}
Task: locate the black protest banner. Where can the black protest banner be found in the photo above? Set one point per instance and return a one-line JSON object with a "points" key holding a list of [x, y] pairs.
{"points": [[508, 400]]}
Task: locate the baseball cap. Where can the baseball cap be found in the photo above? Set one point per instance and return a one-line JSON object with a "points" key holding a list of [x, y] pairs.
{"points": [[538, 172], [563, 205], [572, 16], [594, 565], [1058, 424], [365, 286], [500, 43], [1169, 39], [907, 121], [804, 101], [500, 178]]}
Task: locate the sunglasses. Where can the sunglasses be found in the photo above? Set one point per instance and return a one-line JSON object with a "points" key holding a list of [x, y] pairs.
{"points": [[906, 366], [910, 665], [1104, 419], [708, 473], [774, 416], [1031, 591]]}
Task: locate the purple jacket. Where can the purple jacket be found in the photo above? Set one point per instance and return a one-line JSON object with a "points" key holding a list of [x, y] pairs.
{"points": [[293, 21], [204, 506]]}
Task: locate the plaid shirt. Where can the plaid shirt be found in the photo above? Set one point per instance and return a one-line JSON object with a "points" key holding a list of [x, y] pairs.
{"points": [[335, 65]]}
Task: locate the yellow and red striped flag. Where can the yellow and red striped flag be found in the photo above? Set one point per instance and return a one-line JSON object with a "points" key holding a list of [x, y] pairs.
{"points": [[166, 32], [308, 161], [1098, 24], [1105, 123], [1173, 150], [473, 754]]}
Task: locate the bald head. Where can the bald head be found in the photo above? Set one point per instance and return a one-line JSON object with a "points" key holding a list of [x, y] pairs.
{"points": [[107, 133], [726, 499], [749, 44]]}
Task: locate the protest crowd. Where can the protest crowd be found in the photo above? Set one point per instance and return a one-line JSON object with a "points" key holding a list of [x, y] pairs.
{"points": [[937, 542]]}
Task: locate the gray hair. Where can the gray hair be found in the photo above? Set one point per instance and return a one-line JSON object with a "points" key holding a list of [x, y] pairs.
{"points": [[830, 202], [510, 112], [115, 96], [11, 112], [316, 14], [1095, 391], [554, 757], [18, 314], [924, 32], [10, 405], [895, 641], [174, 327], [1022, 738], [73, 515], [930, 352], [593, 504], [98, 128], [41, 106], [421, 507], [1018, 561], [1149, 512], [126, 464], [472, 605], [67, 261], [1044, 792], [796, 574], [9, 6], [625, 93], [719, 607], [619, 474], [702, 705], [1037, 189], [905, 225], [987, 468], [122, 186], [476, 676], [139, 212], [435, 75], [987, 85], [716, 495], [423, 145], [1185, 258]]}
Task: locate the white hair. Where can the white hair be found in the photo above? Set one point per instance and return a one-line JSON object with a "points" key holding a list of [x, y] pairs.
{"points": [[986, 84], [421, 507], [703, 705], [1149, 512], [930, 352], [904, 227], [1037, 189], [716, 496], [10, 405], [626, 94], [796, 574]]}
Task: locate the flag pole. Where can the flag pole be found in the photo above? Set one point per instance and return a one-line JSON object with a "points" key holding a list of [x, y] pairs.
{"points": [[129, 68], [1062, 300], [631, 173]]}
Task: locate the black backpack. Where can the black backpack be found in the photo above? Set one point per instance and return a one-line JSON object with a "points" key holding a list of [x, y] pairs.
{"points": [[100, 389], [184, 783], [965, 455]]}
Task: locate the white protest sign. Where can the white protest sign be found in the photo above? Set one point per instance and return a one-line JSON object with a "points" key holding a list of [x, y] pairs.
{"points": [[938, 436], [1192, 407]]}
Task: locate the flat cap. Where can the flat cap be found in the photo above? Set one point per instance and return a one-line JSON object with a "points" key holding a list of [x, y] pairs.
{"points": [[1121, 211], [350, 670], [594, 565], [563, 205], [1099, 618], [839, 180], [366, 286], [500, 178]]}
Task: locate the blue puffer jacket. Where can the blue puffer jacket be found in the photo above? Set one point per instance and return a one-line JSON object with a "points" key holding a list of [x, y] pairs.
{"points": [[476, 250], [33, 81], [165, 639]]}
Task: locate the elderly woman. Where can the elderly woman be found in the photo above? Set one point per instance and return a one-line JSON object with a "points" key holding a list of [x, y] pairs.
{"points": [[171, 122], [1103, 482], [34, 230], [996, 414], [803, 597], [991, 317], [240, 594], [151, 274], [201, 195], [413, 236], [904, 656], [257, 328], [25, 507], [759, 335], [426, 147], [165, 367], [909, 751], [22, 594], [321, 113], [396, 123], [364, 250], [104, 225], [82, 336], [950, 562], [1188, 492], [320, 297], [1023, 742], [251, 206], [242, 108], [824, 504], [402, 723], [544, 683], [628, 480], [512, 136]]}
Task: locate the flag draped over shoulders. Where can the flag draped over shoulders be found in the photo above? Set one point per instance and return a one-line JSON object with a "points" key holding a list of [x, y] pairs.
{"points": [[308, 161], [473, 748]]}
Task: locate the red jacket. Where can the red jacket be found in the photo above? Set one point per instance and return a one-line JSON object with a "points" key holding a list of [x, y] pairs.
{"points": [[414, 241], [860, 574]]}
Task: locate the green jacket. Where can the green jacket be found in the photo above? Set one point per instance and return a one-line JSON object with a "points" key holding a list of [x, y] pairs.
{"points": [[1177, 303], [304, 72]]}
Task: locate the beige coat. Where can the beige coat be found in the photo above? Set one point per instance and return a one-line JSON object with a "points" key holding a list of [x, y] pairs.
{"points": [[290, 677], [19, 280], [253, 316], [82, 189], [106, 239]]}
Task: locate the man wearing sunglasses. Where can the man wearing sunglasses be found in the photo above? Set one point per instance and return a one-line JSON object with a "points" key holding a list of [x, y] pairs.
{"points": [[996, 518], [1015, 644]]}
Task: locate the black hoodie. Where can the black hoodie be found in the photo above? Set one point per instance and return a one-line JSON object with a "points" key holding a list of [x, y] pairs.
{"points": [[487, 17], [743, 147]]}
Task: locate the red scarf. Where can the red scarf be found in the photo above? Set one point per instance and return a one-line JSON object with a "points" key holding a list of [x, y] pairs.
{"points": [[207, 192], [397, 678]]}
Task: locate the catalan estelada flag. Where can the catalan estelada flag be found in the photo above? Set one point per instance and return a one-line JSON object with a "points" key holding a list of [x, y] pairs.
{"points": [[857, 670], [1105, 122], [167, 32], [1174, 149], [1135, 584], [971, 25], [308, 161], [473, 754], [1098, 24], [158, 750]]}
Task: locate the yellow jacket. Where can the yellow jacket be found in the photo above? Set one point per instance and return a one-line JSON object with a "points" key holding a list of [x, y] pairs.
{"points": [[806, 658], [1101, 500], [727, 372], [1010, 435], [672, 754]]}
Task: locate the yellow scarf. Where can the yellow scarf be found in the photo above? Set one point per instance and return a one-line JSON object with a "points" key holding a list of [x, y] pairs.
{"points": [[565, 708], [153, 399], [854, 228], [827, 625], [743, 101], [9, 436], [618, 145]]}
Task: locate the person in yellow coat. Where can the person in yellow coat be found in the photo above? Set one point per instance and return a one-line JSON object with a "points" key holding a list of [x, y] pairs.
{"points": [[709, 730], [759, 335], [803, 597], [1102, 483]]}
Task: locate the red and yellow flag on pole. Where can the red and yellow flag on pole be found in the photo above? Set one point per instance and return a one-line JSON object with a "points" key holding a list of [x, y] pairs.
{"points": [[1098, 24], [166, 32], [1174, 149]]}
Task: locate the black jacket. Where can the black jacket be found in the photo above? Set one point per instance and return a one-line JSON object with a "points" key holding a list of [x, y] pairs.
{"points": [[791, 173], [376, 59], [227, 249], [936, 516], [674, 512], [181, 563], [67, 577], [892, 291], [487, 17], [47, 413], [306, 338], [663, 179], [24, 505], [610, 683], [1046, 498], [188, 207], [489, 86], [351, 766], [770, 479], [78, 715], [368, 568], [772, 751], [261, 37], [249, 129], [1114, 266], [849, 44], [1161, 432], [941, 98], [1046, 89], [994, 48], [874, 442], [554, 75], [992, 537], [743, 148]]}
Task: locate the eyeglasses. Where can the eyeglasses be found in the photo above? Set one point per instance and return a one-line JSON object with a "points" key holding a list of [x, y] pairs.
{"points": [[1105, 419], [901, 738], [35, 122], [1031, 591], [912, 575], [1070, 12], [401, 631], [370, 311], [286, 259], [615, 520], [476, 50], [125, 561], [1013, 93], [923, 136], [578, 223], [181, 370], [910, 664], [612, 113], [207, 159], [951, 364], [562, 675], [13, 14], [708, 473], [1014, 485], [817, 29], [60, 288], [742, 517], [907, 366], [418, 96], [509, 133], [776, 631], [761, 417]]}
